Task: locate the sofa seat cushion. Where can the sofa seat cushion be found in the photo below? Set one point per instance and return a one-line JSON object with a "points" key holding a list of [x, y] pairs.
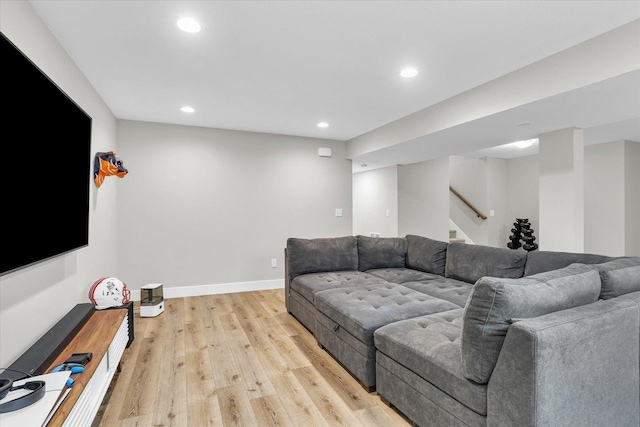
{"points": [[495, 303], [360, 310], [401, 275], [426, 254], [321, 254], [471, 262], [620, 276], [429, 346], [308, 284], [380, 252], [452, 290]]}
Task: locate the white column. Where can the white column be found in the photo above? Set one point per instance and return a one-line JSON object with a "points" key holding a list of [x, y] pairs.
{"points": [[632, 198], [561, 179], [604, 199]]}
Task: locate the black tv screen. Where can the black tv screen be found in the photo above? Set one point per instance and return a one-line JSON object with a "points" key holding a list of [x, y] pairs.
{"points": [[45, 169]]}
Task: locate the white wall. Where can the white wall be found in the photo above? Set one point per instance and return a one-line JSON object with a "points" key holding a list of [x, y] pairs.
{"points": [[207, 206], [497, 187], [423, 199], [611, 54], [375, 202], [611, 196], [522, 193], [561, 180], [484, 183], [604, 200], [632, 198], [468, 176], [32, 300]]}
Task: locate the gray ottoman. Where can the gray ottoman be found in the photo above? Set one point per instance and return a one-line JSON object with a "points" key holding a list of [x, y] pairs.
{"points": [[347, 317], [419, 371], [304, 287]]}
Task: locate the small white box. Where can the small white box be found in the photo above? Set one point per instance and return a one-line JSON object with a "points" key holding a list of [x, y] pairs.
{"points": [[151, 300], [324, 152]]}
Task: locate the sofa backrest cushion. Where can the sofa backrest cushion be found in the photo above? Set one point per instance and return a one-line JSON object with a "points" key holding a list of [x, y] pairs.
{"points": [[321, 254], [619, 276], [541, 261], [495, 303], [470, 262], [426, 254], [380, 252]]}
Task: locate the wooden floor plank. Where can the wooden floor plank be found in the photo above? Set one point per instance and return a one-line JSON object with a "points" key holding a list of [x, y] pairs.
{"points": [[289, 351], [140, 395], [235, 360], [298, 404], [350, 391], [198, 368], [256, 380], [257, 333], [332, 408], [289, 324], [235, 407], [273, 301], [225, 370], [269, 411], [171, 388], [133, 398], [140, 421], [382, 416]]}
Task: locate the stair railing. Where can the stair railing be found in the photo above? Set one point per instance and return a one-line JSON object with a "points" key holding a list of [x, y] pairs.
{"points": [[466, 202]]}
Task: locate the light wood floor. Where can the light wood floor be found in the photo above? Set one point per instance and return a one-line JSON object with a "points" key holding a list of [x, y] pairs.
{"points": [[235, 360]]}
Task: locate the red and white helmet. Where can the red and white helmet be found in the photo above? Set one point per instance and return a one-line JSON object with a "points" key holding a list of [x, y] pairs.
{"points": [[109, 292]]}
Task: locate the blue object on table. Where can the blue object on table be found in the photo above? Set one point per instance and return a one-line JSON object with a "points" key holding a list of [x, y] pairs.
{"points": [[75, 368]]}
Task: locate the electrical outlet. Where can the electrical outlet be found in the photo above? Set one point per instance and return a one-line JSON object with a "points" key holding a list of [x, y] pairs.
{"points": [[274, 263], [338, 212]]}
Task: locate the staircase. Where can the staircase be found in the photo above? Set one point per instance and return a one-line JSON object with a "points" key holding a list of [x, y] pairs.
{"points": [[453, 237]]}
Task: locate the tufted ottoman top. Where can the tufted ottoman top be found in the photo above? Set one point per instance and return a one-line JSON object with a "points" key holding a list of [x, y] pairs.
{"points": [[308, 284], [429, 346], [455, 291], [360, 310], [402, 275]]}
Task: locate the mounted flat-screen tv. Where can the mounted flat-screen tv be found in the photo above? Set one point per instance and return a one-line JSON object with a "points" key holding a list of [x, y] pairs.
{"points": [[45, 172]]}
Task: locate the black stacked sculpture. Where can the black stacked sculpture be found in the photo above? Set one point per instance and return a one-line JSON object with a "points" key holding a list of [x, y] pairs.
{"points": [[522, 231], [516, 235]]}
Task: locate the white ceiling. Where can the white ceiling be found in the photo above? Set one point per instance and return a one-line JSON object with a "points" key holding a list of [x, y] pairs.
{"points": [[283, 66]]}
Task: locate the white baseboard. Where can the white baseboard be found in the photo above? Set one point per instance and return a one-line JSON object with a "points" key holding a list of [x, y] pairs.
{"points": [[220, 288]]}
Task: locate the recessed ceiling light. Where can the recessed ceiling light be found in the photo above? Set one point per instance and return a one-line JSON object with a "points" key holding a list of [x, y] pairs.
{"points": [[409, 72], [189, 25], [323, 125], [187, 109], [526, 143]]}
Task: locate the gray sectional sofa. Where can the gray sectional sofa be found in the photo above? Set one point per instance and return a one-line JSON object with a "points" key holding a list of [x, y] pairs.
{"points": [[454, 334]]}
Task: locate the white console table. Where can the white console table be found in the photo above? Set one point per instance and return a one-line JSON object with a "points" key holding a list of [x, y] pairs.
{"points": [[105, 334]]}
